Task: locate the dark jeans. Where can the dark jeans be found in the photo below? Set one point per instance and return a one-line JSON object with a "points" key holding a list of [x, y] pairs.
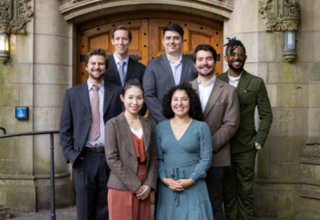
{"points": [[214, 180]]}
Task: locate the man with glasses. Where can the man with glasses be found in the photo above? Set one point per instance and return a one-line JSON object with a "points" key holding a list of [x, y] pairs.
{"points": [[252, 93]]}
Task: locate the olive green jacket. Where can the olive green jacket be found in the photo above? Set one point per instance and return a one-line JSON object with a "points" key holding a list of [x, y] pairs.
{"points": [[252, 92]]}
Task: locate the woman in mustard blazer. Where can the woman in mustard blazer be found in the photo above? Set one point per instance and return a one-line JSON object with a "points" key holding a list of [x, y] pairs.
{"points": [[131, 154]]}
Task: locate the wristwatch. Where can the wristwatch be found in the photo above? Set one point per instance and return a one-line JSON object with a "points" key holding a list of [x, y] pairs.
{"points": [[258, 146]]}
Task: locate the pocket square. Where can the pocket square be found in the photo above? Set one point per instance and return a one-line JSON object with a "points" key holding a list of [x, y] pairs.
{"points": [[248, 90]]}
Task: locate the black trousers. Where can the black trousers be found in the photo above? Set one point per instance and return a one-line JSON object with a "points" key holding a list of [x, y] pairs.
{"points": [[214, 180], [91, 177]]}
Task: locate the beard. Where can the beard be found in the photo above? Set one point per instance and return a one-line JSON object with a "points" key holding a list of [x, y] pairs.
{"points": [[234, 68], [207, 74], [95, 77]]}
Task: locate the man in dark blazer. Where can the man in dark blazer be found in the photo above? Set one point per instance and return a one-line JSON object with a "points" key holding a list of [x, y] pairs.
{"points": [[166, 71], [252, 93], [118, 74], [220, 106], [86, 109]]}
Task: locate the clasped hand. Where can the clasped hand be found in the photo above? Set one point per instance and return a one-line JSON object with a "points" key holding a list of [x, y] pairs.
{"points": [[143, 192], [178, 185]]}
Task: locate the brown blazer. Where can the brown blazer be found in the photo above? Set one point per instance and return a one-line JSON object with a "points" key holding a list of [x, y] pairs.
{"points": [[121, 154], [222, 114]]}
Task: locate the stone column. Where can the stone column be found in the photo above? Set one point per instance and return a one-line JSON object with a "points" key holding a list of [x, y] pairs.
{"points": [[37, 75], [53, 66]]}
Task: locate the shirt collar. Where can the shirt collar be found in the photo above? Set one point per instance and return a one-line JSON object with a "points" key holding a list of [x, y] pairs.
{"points": [[233, 79], [180, 60], [211, 82], [116, 59], [101, 85]]}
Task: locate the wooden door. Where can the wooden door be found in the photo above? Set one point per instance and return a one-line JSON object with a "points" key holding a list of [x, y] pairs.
{"points": [[147, 40], [100, 37], [194, 34]]}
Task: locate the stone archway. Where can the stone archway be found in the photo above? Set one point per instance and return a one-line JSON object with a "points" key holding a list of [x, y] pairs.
{"points": [[80, 10]]}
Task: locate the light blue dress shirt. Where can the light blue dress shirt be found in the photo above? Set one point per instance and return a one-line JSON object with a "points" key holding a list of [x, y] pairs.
{"points": [[176, 70], [125, 66]]}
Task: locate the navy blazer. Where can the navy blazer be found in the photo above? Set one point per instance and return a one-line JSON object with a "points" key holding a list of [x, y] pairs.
{"points": [[158, 79], [76, 116], [135, 70]]}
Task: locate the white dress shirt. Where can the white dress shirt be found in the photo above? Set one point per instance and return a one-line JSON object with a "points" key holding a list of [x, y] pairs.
{"points": [[234, 81], [125, 66], [205, 91], [100, 141], [176, 70]]}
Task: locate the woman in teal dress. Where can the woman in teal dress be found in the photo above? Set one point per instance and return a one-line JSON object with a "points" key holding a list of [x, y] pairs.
{"points": [[185, 152]]}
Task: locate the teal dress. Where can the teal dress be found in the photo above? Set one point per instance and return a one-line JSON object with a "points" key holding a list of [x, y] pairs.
{"points": [[190, 157]]}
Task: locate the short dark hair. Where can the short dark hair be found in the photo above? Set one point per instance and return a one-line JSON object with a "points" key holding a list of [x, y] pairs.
{"points": [[100, 52], [173, 27], [122, 27], [233, 43], [205, 47], [130, 83], [195, 110]]}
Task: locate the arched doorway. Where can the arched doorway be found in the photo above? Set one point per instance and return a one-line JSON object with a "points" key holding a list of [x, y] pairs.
{"points": [[146, 28]]}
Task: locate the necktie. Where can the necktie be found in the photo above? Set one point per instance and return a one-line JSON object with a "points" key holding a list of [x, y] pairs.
{"points": [[121, 72], [95, 122]]}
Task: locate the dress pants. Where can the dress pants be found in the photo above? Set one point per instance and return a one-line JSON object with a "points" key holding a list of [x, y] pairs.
{"points": [[91, 177], [214, 181], [238, 186]]}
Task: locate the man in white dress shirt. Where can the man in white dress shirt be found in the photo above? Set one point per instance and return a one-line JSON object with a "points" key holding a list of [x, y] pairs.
{"points": [[220, 107]]}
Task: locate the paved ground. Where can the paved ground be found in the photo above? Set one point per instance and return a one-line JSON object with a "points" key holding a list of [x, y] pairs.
{"points": [[63, 214]]}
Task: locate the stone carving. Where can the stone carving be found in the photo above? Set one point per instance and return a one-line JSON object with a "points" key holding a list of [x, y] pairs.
{"points": [[14, 15], [288, 19]]}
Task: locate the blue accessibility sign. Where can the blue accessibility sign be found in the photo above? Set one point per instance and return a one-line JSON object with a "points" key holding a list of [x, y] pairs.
{"points": [[22, 113]]}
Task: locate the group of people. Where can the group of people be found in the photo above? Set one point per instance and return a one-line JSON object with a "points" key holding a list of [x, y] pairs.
{"points": [[196, 149]]}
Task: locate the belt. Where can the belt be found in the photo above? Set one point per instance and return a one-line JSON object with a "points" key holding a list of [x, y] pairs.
{"points": [[95, 149]]}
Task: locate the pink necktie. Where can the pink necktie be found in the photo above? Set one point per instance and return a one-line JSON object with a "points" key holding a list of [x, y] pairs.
{"points": [[95, 122]]}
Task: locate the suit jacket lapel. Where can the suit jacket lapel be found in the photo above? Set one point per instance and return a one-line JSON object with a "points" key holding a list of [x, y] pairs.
{"points": [[243, 82], [108, 94], [167, 68], [84, 95], [214, 95], [129, 69], [146, 134], [125, 133], [114, 69], [184, 71]]}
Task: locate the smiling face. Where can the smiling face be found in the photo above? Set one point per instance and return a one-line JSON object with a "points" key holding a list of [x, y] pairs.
{"points": [[133, 99], [205, 64], [180, 103], [236, 59], [121, 43], [172, 42], [96, 67]]}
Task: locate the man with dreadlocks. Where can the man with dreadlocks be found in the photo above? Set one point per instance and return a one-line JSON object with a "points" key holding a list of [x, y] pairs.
{"points": [[252, 93]]}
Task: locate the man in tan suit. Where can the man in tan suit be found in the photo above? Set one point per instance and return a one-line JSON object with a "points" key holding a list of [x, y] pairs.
{"points": [[220, 107]]}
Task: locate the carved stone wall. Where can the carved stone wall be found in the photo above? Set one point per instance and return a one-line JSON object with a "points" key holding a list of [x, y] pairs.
{"points": [[14, 14], [280, 15]]}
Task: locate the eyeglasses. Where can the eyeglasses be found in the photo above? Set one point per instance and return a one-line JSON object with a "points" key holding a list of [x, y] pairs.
{"points": [[240, 54]]}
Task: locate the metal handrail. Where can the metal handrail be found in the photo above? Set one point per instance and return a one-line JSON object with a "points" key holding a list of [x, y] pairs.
{"points": [[4, 130], [53, 203]]}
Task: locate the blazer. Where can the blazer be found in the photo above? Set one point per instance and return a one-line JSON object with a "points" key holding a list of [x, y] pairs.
{"points": [[76, 116], [252, 93], [121, 154], [222, 114], [158, 79], [135, 71]]}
